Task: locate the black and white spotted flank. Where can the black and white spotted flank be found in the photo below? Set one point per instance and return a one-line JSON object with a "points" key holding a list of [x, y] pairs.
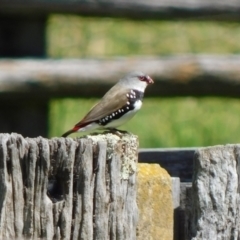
{"points": [[134, 96]]}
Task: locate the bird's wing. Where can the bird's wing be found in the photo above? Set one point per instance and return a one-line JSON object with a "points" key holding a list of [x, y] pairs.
{"points": [[113, 100]]}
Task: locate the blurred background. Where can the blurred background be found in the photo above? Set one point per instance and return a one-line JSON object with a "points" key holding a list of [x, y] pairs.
{"points": [[163, 121]]}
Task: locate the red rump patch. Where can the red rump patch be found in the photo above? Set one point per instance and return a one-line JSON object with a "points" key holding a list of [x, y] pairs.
{"points": [[76, 128], [80, 125]]}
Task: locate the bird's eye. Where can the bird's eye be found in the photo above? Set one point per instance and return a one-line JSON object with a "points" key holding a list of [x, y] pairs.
{"points": [[146, 79], [142, 78]]}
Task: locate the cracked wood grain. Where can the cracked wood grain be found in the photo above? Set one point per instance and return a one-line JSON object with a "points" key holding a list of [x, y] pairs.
{"points": [[67, 189]]}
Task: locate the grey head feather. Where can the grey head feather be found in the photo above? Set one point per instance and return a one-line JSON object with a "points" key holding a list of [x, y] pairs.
{"points": [[131, 81]]}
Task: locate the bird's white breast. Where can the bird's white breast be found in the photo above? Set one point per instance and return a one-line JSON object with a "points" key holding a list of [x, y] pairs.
{"points": [[127, 116]]}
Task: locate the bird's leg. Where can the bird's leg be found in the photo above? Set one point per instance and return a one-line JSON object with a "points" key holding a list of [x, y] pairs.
{"points": [[117, 131], [112, 130]]}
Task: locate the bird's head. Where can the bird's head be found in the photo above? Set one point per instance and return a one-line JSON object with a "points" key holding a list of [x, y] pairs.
{"points": [[136, 80]]}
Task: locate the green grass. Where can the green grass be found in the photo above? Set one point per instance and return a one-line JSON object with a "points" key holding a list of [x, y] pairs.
{"points": [[168, 122], [72, 36], [174, 122]]}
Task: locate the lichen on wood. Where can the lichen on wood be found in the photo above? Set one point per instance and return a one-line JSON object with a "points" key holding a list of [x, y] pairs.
{"points": [[128, 150]]}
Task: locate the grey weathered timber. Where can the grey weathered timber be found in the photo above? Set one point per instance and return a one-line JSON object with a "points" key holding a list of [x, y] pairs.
{"points": [[184, 212], [186, 75], [68, 189], [133, 9], [176, 203], [182, 192], [215, 194]]}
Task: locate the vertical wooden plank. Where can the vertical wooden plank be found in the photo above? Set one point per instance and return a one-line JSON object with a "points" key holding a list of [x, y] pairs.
{"points": [[57, 212], [176, 205], [129, 159], [131, 209], [67, 148], [17, 184], [87, 184], [215, 197], [121, 227], [122, 157], [37, 197], [101, 193], [3, 185], [59, 155], [41, 203], [115, 166], [6, 203], [46, 222], [77, 194], [237, 155], [29, 167]]}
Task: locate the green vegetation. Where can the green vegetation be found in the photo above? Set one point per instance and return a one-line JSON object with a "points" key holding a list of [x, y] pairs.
{"points": [[173, 122], [168, 122], [72, 36]]}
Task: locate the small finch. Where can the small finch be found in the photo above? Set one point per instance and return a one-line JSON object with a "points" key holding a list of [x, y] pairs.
{"points": [[117, 106]]}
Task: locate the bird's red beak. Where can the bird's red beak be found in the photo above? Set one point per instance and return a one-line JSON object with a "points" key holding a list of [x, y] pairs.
{"points": [[149, 80]]}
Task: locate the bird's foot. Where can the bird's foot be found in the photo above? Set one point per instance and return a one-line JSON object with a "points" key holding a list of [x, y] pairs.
{"points": [[117, 131]]}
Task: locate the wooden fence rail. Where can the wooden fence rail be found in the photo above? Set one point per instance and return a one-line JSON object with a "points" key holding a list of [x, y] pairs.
{"points": [[68, 189], [27, 85], [188, 75], [177, 161], [160, 10]]}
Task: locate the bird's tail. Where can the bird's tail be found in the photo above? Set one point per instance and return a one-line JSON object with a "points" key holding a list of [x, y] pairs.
{"points": [[70, 132]]}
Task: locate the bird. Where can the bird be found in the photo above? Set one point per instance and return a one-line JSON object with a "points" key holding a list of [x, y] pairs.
{"points": [[117, 106]]}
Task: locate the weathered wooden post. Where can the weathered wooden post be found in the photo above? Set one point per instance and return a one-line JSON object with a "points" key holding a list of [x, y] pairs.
{"points": [[215, 197], [68, 189]]}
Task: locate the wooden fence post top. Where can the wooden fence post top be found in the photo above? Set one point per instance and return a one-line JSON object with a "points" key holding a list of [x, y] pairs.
{"points": [[129, 145], [214, 199], [63, 188]]}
